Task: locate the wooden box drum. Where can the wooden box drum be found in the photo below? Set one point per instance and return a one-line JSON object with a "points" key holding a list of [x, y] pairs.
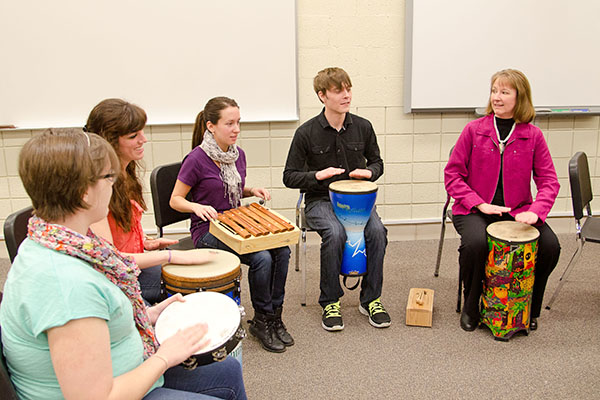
{"points": [[509, 277], [352, 202], [252, 228], [222, 316], [222, 274]]}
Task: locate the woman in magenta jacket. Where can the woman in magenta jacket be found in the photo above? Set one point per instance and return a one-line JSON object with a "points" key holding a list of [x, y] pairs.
{"points": [[489, 176]]}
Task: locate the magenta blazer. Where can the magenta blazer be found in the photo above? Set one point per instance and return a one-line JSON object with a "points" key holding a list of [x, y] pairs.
{"points": [[472, 172]]}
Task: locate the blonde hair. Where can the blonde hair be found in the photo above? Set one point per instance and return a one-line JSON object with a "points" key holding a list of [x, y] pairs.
{"points": [[524, 111], [58, 166]]}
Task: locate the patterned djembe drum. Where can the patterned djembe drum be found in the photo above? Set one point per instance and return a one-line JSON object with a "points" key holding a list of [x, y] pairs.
{"points": [[509, 276]]}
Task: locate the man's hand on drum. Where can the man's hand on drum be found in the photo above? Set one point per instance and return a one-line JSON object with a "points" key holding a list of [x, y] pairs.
{"points": [[183, 344], [157, 244], [328, 173], [204, 212], [492, 209], [361, 174], [155, 310], [191, 257], [527, 217]]}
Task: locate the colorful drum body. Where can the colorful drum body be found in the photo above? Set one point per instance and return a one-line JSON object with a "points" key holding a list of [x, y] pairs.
{"points": [[353, 202], [509, 277], [222, 274], [220, 313]]}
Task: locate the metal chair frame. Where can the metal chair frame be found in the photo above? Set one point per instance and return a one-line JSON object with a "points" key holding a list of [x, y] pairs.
{"points": [[303, 226], [582, 195]]}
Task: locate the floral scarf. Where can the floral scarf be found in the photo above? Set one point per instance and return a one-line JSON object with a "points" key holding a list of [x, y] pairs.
{"points": [[229, 173], [104, 258]]}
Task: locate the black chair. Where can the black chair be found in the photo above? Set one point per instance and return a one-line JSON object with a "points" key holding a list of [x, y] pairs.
{"points": [[7, 390], [447, 216], [15, 230], [581, 194], [162, 182], [303, 226]]}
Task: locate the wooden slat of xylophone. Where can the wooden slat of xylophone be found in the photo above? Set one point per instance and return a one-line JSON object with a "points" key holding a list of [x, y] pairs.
{"points": [[233, 225], [271, 220], [253, 231], [273, 216], [248, 221], [259, 219]]}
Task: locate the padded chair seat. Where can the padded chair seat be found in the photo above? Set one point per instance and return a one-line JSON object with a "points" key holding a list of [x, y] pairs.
{"points": [[591, 230]]}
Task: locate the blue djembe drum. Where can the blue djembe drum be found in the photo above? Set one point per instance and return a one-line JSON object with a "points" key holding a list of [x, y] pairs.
{"points": [[352, 202]]}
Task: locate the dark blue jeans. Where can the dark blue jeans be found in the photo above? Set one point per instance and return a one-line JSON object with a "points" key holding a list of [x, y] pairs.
{"points": [[149, 280], [320, 217], [267, 273], [219, 380]]}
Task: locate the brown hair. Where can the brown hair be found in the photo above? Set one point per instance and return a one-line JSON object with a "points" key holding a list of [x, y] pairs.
{"points": [[329, 78], [524, 111], [58, 166], [111, 119], [212, 112]]}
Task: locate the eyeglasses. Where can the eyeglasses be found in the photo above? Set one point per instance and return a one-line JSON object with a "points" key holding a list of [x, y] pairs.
{"points": [[111, 177]]}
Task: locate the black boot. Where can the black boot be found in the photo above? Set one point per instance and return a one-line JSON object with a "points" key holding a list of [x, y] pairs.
{"points": [[262, 327], [280, 329]]}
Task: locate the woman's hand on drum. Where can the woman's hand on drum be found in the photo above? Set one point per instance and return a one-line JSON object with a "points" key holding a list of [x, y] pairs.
{"points": [[328, 173], [183, 344], [204, 212], [260, 192], [527, 217], [492, 209], [361, 174], [157, 309], [158, 244], [192, 257]]}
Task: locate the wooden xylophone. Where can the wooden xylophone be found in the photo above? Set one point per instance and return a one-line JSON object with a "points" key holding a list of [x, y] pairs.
{"points": [[252, 228]]}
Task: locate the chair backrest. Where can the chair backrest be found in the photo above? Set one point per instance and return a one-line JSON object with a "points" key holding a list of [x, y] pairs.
{"points": [[581, 185], [15, 230], [162, 182], [7, 390]]}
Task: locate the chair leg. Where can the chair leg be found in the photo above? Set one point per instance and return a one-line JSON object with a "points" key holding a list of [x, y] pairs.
{"points": [[297, 256], [565, 275], [441, 246], [459, 297], [303, 236]]}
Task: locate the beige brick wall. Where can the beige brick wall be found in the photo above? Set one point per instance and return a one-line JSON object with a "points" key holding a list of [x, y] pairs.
{"points": [[366, 38]]}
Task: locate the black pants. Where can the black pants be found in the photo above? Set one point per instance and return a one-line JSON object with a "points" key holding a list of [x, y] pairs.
{"points": [[473, 253]]}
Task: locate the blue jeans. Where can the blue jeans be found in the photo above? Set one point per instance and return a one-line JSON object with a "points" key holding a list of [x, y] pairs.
{"points": [[320, 217], [219, 380], [150, 283], [267, 273]]}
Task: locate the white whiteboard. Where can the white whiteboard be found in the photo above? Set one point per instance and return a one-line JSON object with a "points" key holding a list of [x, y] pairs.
{"points": [[60, 58], [454, 47]]}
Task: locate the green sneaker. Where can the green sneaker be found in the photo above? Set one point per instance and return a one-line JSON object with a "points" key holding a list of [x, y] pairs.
{"points": [[378, 317], [332, 317]]}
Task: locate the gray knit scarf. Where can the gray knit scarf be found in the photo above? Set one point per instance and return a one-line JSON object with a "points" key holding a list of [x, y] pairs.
{"points": [[229, 173]]}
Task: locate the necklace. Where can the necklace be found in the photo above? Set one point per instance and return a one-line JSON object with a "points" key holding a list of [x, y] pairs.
{"points": [[502, 143]]}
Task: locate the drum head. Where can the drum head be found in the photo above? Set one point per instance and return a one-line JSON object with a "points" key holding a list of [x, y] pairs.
{"points": [[512, 232], [224, 264], [353, 187], [218, 311]]}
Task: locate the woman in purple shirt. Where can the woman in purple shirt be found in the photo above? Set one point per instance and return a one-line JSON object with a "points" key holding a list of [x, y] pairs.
{"points": [[215, 173], [489, 176]]}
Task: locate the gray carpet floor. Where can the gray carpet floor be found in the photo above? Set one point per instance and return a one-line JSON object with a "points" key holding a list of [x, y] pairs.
{"points": [[558, 361]]}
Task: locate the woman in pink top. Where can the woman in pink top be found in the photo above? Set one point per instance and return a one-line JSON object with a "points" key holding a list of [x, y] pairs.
{"points": [[122, 125], [489, 176]]}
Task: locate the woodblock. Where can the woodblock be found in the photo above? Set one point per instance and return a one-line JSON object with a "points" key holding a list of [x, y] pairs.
{"points": [[253, 243], [419, 310]]}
